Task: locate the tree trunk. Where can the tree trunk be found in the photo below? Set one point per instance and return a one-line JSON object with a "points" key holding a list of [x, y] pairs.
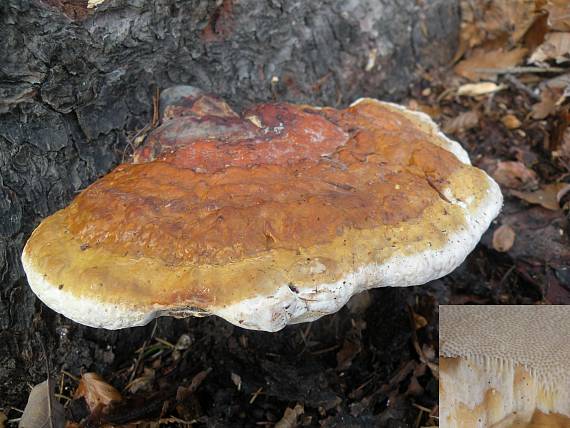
{"points": [[76, 85]]}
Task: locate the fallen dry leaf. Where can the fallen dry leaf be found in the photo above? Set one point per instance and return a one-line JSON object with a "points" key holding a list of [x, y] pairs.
{"points": [[558, 15], [94, 3], [463, 122], [419, 321], [496, 23], [503, 238], [553, 92], [184, 342], [347, 353], [473, 67], [548, 196], [199, 378], [539, 240], [42, 409], [432, 111], [515, 175], [98, 394], [548, 104], [561, 197], [475, 89], [290, 416], [562, 147], [556, 47], [142, 383], [236, 379], [3, 419], [511, 121]]}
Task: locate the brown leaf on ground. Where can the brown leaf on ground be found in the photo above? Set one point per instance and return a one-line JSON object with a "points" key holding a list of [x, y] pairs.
{"points": [[236, 379], [476, 89], [142, 383], [3, 419], [347, 353], [548, 196], [419, 321], [559, 142], [503, 238], [495, 23], [463, 122], [187, 405], [94, 3], [432, 111], [473, 68], [547, 105], [556, 47], [97, 393], [414, 387], [562, 145], [552, 94], [515, 175], [289, 419], [43, 409], [199, 378], [536, 33], [540, 239], [558, 15]]}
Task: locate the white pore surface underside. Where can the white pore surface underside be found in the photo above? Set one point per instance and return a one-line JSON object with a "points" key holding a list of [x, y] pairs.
{"points": [[473, 379], [286, 306]]}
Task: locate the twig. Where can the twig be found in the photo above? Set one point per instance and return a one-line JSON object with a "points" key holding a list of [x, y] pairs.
{"points": [[165, 342], [324, 351], [507, 274], [520, 70], [422, 408], [131, 142], [141, 353], [433, 367], [148, 127], [155, 108], [63, 397], [364, 385], [255, 395], [69, 375], [521, 86], [305, 334], [49, 403]]}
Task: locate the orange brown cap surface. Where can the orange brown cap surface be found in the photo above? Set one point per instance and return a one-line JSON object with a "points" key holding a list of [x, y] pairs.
{"points": [[275, 216]]}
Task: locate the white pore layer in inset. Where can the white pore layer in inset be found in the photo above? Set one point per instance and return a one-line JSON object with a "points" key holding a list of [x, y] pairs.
{"points": [[289, 306], [491, 342], [497, 386]]}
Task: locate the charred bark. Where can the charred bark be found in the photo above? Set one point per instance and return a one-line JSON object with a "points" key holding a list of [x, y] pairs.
{"points": [[75, 85]]}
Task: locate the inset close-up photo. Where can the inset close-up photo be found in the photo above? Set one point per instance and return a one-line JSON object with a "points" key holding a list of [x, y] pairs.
{"points": [[504, 366]]}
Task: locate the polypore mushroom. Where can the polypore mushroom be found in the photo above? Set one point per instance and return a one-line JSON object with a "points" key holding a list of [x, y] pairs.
{"points": [[504, 366], [275, 216]]}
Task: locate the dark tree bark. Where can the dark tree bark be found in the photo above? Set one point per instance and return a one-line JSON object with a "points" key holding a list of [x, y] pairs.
{"points": [[74, 86]]}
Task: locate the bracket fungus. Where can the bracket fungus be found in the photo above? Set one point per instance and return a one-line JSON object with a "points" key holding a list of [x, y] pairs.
{"points": [[274, 216], [504, 366]]}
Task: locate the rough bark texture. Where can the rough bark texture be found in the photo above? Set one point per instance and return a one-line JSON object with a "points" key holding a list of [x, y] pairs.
{"points": [[75, 86]]}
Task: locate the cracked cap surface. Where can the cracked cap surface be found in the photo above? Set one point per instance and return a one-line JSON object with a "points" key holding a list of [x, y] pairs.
{"points": [[271, 217]]}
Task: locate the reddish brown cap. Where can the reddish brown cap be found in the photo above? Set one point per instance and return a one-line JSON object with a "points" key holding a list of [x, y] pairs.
{"points": [[271, 217]]}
